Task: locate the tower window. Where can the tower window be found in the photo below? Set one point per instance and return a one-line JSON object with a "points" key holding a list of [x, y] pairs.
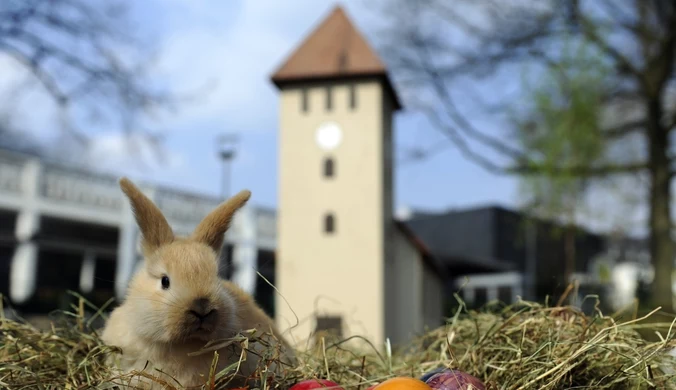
{"points": [[329, 223], [305, 103], [329, 167], [329, 324], [329, 98], [353, 96]]}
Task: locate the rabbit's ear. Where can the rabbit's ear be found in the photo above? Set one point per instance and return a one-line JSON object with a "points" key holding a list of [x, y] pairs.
{"points": [[155, 229], [212, 228]]}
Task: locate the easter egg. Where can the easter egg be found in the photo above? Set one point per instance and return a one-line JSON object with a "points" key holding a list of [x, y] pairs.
{"points": [[315, 384], [403, 383], [430, 374], [455, 380]]}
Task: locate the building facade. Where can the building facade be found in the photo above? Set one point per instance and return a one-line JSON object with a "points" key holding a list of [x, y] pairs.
{"points": [[63, 228], [342, 263]]}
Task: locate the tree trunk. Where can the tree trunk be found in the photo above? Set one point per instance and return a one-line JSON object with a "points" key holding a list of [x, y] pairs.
{"points": [[569, 251], [661, 244]]}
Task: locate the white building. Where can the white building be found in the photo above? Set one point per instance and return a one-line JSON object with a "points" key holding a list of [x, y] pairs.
{"points": [[64, 228]]}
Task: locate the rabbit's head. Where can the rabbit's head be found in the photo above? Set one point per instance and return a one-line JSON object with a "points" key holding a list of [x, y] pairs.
{"points": [[177, 296]]}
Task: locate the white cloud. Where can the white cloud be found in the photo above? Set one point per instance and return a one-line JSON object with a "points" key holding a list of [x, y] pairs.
{"points": [[233, 63], [224, 52], [24, 100], [234, 60], [111, 151], [231, 48]]}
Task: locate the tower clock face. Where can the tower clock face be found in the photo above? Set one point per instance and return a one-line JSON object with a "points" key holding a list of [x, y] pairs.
{"points": [[329, 135]]}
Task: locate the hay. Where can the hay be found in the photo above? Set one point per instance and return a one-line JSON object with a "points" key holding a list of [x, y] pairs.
{"points": [[526, 346]]}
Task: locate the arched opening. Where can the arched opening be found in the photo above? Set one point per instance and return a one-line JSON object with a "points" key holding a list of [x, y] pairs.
{"points": [[329, 167], [353, 96], [329, 98], [329, 223], [305, 100]]}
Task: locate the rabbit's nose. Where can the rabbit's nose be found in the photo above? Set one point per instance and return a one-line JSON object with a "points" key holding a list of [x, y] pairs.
{"points": [[200, 308]]}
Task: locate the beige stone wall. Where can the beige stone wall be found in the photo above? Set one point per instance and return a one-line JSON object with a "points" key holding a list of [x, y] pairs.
{"points": [[340, 273], [404, 279], [432, 306]]}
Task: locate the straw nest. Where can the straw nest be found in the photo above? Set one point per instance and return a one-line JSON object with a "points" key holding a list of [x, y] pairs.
{"points": [[525, 346]]}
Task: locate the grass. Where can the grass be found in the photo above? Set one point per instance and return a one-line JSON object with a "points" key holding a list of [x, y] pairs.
{"points": [[524, 346]]}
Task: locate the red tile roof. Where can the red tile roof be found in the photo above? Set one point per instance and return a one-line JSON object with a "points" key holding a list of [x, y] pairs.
{"points": [[334, 49]]}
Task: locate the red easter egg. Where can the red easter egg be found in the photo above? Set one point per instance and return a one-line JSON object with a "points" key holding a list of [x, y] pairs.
{"points": [[455, 380], [316, 384]]}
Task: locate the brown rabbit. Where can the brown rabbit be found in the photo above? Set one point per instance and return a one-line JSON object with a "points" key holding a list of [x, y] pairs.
{"points": [[176, 303]]}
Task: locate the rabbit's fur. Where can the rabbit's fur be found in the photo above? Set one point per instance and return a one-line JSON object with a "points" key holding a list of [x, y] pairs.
{"points": [[155, 327]]}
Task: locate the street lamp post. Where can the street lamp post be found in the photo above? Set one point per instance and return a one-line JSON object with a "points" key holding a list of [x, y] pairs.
{"points": [[226, 152]]}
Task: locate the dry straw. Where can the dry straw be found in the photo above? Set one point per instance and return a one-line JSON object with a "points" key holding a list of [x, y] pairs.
{"points": [[524, 346]]}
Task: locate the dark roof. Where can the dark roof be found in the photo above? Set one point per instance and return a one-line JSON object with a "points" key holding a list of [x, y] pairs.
{"points": [[457, 264], [417, 214], [427, 255], [335, 49], [458, 237], [492, 238]]}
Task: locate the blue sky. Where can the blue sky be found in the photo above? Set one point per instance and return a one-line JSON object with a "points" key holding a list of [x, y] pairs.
{"points": [[233, 47], [237, 45]]}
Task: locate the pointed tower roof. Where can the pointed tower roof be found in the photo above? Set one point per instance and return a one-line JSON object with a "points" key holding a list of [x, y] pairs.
{"points": [[335, 49]]}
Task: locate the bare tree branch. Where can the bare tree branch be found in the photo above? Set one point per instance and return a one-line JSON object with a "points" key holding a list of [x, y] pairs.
{"points": [[634, 44], [624, 129], [34, 65], [530, 168], [463, 146], [437, 83], [72, 48], [579, 171], [514, 45], [625, 65]]}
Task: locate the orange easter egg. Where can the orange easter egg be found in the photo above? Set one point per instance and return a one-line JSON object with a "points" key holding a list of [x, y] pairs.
{"points": [[403, 383]]}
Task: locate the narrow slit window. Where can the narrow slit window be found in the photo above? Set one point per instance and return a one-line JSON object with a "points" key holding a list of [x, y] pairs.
{"points": [[329, 324], [329, 98], [305, 104], [353, 96], [329, 167], [329, 223]]}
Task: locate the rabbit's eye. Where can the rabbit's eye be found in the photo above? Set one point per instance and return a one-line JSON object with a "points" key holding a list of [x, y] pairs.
{"points": [[165, 282]]}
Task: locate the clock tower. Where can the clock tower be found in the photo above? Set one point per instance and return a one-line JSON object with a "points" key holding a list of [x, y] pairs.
{"points": [[334, 216]]}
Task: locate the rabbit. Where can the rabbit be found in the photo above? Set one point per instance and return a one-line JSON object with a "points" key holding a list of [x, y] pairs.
{"points": [[176, 302]]}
